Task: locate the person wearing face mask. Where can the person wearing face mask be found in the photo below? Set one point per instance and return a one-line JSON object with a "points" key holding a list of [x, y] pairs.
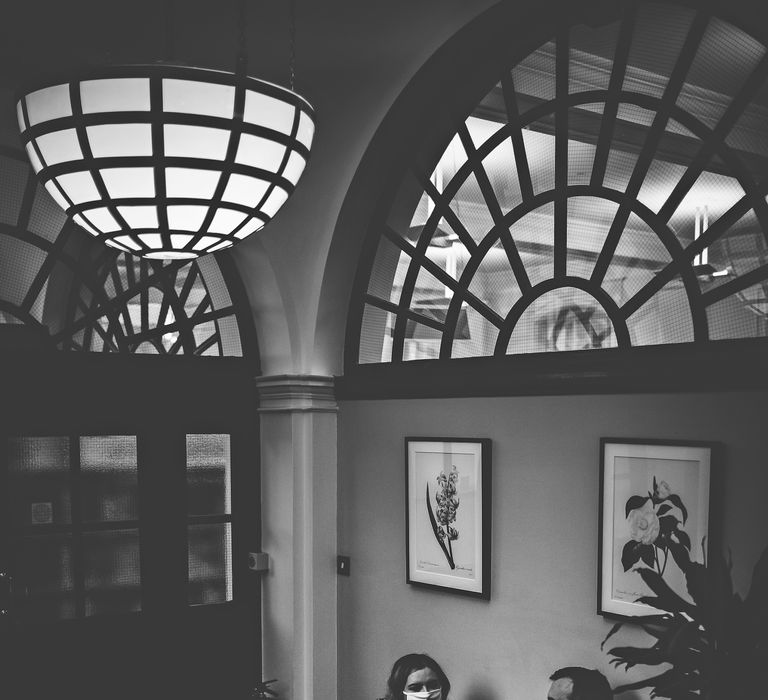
{"points": [[417, 677]]}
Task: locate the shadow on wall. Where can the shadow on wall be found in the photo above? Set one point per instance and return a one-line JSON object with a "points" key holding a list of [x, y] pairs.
{"points": [[481, 691]]}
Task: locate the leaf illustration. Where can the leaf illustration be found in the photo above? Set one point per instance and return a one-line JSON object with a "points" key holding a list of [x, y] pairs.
{"points": [[630, 554], [634, 502], [436, 530], [678, 502]]}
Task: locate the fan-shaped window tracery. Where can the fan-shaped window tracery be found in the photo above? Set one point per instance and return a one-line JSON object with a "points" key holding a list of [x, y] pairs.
{"points": [[609, 191], [83, 296]]}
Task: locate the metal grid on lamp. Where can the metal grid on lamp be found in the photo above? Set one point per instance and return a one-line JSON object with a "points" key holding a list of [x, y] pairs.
{"points": [[167, 161]]}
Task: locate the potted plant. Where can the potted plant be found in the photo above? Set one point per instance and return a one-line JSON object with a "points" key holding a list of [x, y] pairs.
{"points": [[715, 647]]}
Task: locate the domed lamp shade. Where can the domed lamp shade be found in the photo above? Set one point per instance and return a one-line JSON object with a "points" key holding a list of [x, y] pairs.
{"points": [[167, 161]]}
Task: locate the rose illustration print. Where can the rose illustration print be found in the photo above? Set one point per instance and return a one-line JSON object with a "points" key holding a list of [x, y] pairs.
{"points": [[655, 531]]}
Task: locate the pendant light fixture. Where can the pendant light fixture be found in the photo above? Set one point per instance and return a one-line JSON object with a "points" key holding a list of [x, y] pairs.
{"points": [[168, 161]]}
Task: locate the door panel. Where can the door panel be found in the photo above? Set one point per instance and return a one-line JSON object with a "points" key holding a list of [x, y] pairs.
{"points": [[126, 532]]}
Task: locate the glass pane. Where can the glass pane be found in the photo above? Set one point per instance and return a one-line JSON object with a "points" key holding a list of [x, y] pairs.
{"points": [[112, 572], [109, 477], [208, 475], [39, 480], [44, 584], [210, 563], [563, 319]]}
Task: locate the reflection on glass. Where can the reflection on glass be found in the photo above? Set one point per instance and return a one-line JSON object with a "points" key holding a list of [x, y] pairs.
{"points": [[108, 475], [210, 563], [44, 582], [208, 475], [112, 571], [39, 479], [641, 181]]}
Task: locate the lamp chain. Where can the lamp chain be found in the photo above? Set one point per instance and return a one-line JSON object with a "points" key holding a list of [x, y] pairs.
{"points": [[242, 52], [292, 44], [170, 10]]}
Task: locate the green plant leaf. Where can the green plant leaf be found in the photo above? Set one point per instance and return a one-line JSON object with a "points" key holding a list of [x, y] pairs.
{"points": [[634, 656], [666, 598], [651, 682], [635, 502], [630, 554], [663, 508]]}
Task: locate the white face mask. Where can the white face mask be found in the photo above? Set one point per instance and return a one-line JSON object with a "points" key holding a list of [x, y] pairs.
{"points": [[436, 694]]}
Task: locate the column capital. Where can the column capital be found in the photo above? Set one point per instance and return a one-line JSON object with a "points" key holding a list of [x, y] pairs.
{"points": [[291, 393]]}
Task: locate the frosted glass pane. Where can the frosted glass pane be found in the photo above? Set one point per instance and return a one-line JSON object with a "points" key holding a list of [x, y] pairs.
{"points": [[198, 98], [204, 242], [139, 217], [195, 141], [112, 572], [151, 240], [187, 182], [186, 217], [103, 220], [245, 190], [80, 221], [208, 475], [115, 95], [179, 240], [79, 187], [210, 564], [108, 476], [32, 154], [43, 580], [48, 103], [38, 472], [122, 183], [54, 191], [112, 140], [225, 220], [259, 152], [60, 146], [251, 227], [275, 200], [294, 167], [128, 242], [268, 111], [306, 130]]}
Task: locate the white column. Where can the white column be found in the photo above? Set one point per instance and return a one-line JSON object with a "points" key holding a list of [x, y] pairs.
{"points": [[299, 532]]}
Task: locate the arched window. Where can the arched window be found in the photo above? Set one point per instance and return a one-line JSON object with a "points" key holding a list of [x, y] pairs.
{"points": [[608, 192], [83, 296]]}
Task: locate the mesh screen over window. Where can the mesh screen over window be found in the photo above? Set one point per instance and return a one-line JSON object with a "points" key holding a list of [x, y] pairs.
{"points": [[110, 302], [621, 204]]}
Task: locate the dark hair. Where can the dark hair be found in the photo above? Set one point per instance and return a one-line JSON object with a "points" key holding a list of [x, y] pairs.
{"points": [[588, 684], [405, 666]]}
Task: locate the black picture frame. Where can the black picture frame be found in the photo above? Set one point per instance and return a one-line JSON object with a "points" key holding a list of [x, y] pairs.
{"points": [[438, 471], [654, 495]]}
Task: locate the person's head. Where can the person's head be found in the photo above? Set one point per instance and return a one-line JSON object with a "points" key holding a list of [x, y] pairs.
{"points": [[577, 683], [417, 676]]}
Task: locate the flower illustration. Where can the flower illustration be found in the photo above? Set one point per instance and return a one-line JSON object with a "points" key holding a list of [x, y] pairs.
{"points": [[644, 524], [655, 531], [447, 504]]}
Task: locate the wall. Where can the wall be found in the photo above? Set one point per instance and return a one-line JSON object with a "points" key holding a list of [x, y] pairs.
{"points": [[545, 480]]}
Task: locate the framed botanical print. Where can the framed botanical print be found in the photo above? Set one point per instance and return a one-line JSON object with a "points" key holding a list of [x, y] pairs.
{"points": [[654, 512], [448, 514]]}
